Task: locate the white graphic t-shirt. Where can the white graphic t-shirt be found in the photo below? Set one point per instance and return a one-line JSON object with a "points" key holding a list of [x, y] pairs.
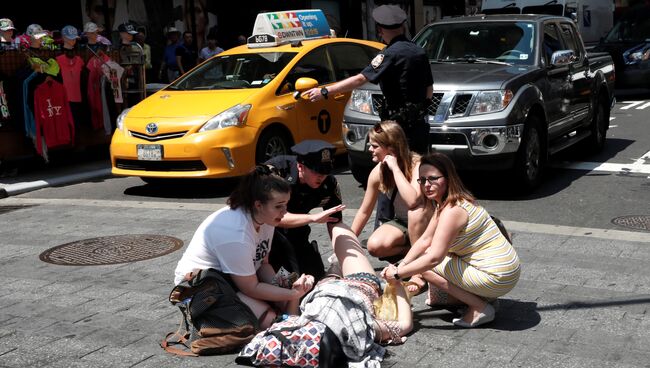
{"points": [[226, 241]]}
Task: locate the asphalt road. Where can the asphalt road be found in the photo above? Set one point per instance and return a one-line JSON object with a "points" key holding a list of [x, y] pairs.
{"points": [[572, 194]]}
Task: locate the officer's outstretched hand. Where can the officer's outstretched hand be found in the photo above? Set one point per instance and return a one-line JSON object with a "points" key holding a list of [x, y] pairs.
{"points": [[313, 95], [326, 216], [391, 162]]}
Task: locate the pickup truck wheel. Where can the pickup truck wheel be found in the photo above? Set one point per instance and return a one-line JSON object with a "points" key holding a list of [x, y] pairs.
{"points": [[359, 173], [529, 164], [273, 142], [596, 141]]}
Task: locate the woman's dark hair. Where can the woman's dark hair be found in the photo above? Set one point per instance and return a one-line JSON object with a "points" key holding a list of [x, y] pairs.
{"points": [[257, 186], [456, 191]]}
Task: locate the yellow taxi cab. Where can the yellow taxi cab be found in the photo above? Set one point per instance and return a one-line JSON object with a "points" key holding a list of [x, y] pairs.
{"points": [[242, 106]]}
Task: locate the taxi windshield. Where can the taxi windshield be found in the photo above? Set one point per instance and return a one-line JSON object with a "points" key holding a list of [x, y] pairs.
{"points": [[234, 72]]}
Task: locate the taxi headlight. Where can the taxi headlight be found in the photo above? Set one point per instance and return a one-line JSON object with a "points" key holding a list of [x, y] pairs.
{"points": [[234, 116], [121, 117], [361, 101], [491, 101]]}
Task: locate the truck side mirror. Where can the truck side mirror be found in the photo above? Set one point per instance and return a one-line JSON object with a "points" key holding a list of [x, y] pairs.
{"points": [[562, 58]]}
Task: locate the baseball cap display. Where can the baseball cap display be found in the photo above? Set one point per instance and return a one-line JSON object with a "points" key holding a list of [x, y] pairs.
{"points": [[128, 28], [91, 27], [316, 154], [6, 24], [70, 33], [36, 31]]}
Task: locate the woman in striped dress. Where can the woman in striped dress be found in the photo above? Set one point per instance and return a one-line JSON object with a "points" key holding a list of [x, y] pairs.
{"points": [[462, 253]]}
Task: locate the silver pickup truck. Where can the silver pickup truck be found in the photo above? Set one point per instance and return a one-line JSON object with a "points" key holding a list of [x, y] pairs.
{"points": [[509, 90]]}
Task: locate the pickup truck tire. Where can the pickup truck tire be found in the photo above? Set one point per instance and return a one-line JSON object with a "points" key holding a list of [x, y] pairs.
{"points": [[531, 157], [359, 173], [273, 142], [596, 141]]}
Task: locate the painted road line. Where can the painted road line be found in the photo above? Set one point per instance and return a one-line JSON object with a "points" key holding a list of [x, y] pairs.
{"points": [[631, 104], [639, 166], [349, 213], [647, 104]]}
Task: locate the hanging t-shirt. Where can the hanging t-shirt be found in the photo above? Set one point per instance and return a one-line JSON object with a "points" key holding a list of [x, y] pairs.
{"points": [[4, 104], [113, 71], [53, 117], [226, 241], [71, 72], [28, 114], [95, 74]]}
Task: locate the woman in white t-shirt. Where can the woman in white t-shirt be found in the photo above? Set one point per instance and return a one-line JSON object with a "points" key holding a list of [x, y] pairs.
{"points": [[236, 240]]}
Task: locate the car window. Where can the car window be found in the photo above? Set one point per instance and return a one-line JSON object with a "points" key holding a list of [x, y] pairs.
{"points": [[234, 72], [316, 64], [510, 42], [570, 39], [348, 59], [634, 27], [551, 41]]}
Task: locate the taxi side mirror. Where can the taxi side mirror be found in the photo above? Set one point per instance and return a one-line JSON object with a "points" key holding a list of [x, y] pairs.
{"points": [[303, 84]]}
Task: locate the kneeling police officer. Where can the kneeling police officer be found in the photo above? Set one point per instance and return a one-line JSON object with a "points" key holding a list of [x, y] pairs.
{"points": [[311, 186]]}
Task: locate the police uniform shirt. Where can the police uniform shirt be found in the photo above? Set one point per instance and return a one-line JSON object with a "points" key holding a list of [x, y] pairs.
{"points": [[402, 71], [303, 197]]}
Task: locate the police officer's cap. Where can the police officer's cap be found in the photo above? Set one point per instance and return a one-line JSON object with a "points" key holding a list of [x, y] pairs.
{"points": [[316, 154], [389, 16]]}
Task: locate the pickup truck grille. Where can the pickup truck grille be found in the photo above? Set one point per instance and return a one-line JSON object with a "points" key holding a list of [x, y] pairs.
{"points": [[460, 104], [378, 102], [435, 102]]}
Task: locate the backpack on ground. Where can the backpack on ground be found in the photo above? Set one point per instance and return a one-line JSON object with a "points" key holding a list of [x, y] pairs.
{"points": [[288, 343], [214, 319]]}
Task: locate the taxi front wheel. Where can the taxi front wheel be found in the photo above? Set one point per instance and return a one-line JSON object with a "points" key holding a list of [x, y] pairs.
{"points": [[273, 142]]}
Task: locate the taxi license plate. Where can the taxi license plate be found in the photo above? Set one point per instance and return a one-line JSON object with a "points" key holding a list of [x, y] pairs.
{"points": [[150, 152]]}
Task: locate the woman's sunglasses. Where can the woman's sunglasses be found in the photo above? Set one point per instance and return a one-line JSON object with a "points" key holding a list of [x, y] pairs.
{"points": [[428, 179]]}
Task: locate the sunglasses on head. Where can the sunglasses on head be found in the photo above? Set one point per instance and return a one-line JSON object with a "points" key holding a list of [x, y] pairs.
{"points": [[429, 179], [377, 128]]}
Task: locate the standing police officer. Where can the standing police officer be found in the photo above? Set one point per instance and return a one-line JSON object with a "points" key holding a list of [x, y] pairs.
{"points": [[311, 186], [403, 73]]}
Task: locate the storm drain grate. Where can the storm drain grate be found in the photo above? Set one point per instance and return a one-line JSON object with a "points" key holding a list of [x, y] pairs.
{"points": [[7, 209], [111, 250], [633, 222]]}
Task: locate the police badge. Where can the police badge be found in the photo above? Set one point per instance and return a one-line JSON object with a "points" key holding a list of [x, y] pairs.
{"points": [[325, 156], [376, 62]]}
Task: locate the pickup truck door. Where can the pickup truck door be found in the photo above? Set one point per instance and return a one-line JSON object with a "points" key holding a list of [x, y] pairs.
{"points": [[580, 77], [558, 83]]}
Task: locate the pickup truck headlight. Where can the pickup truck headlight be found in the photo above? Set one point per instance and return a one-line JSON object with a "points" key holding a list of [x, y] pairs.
{"points": [[234, 116], [121, 117], [361, 101], [491, 101]]}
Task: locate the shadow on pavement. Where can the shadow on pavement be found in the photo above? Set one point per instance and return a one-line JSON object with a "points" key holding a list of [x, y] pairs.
{"points": [[184, 188], [512, 315]]}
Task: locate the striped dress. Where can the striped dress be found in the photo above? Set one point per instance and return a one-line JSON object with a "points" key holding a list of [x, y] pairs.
{"points": [[480, 259]]}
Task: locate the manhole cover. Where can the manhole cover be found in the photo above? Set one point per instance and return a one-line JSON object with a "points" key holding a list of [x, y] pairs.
{"points": [[5, 209], [111, 250], [633, 222]]}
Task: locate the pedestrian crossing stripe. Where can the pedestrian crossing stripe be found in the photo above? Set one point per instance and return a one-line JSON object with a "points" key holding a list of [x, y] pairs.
{"points": [[638, 105]]}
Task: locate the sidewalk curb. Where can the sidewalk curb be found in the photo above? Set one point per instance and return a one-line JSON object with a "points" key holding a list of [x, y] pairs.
{"points": [[20, 188]]}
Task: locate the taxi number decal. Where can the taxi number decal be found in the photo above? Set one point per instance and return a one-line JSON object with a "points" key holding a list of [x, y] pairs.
{"points": [[324, 121]]}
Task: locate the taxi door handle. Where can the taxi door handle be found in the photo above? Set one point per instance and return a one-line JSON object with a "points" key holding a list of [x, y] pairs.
{"points": [[339, 97]]}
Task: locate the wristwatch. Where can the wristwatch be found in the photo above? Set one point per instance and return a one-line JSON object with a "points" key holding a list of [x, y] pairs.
{"points": [[396, 275], [324, 92]]}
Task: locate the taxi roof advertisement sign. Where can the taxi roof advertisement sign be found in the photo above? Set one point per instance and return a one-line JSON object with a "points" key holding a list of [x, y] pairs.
{"points": [[292, 25]]}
